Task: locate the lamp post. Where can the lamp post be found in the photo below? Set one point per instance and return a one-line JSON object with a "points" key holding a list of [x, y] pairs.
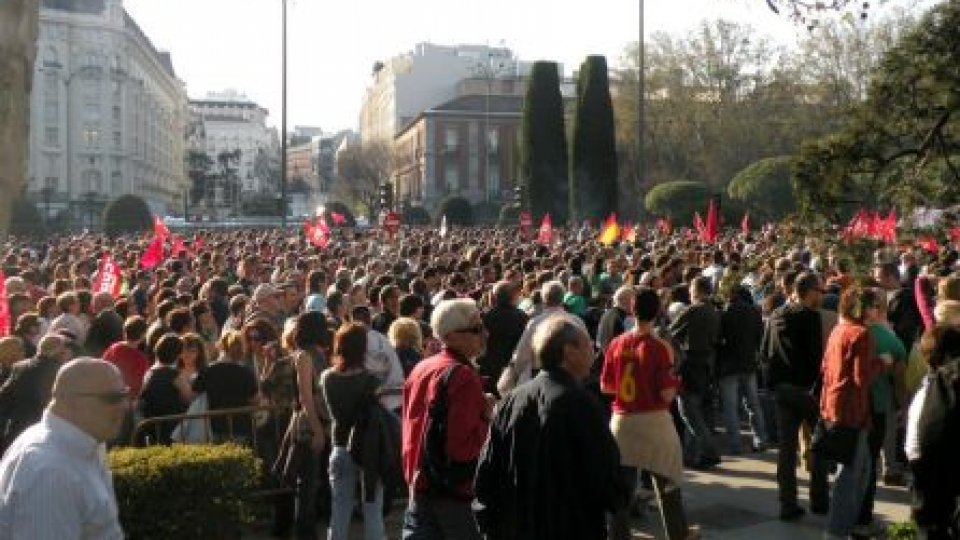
{"points": [[90, 197], [488, 71], [283, 120], [641, 105], [45, 192]]}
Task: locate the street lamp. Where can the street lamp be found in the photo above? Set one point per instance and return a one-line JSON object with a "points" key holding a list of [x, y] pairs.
{"points": [[45, 192], [489, 71], [283, 119], [641, 105], [90, 197]]}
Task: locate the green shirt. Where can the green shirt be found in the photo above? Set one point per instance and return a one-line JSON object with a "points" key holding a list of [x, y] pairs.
{"points": [[885, 342], [575, 303]]}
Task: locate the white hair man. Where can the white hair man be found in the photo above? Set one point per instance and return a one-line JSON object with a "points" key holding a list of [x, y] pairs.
{"points": [[440, 475], [521, 366], [54, 481]]}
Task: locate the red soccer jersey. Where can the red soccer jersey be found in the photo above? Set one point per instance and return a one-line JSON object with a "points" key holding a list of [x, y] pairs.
{"points": [[637, 367]]}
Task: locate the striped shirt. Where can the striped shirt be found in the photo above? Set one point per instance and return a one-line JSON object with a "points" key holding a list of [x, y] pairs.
{"points": [[54, 484]]}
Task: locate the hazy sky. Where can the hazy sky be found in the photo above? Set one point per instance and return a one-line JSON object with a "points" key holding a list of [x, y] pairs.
{"points": [[332, 45]]}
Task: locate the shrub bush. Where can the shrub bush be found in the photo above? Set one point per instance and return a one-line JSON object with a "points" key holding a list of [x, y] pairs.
{"points": [[458, 211], [678, 200], [128, 214], [416, 215], [25, 219], [184, 491]]}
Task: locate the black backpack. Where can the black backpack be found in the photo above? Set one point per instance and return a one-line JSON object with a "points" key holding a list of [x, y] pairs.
{"points": [[444, 475]]}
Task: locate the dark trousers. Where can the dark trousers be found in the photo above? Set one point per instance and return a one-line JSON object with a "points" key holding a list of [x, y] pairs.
{"points": [[669, 498], [439, 518], [698, 444], [875, 436], [796, 406]]}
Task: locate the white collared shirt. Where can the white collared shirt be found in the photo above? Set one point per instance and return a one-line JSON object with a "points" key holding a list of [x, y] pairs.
{"points": [[54, 484]]}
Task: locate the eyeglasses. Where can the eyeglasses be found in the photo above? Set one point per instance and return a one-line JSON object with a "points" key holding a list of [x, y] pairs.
{"points": [[114, 397], [478, 329]]}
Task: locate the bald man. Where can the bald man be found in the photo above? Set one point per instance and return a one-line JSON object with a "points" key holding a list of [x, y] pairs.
{"points": [[54, 481]]}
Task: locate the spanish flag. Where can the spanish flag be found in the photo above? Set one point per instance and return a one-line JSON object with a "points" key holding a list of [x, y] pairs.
{"points": [[628, 234], [611, 231]]}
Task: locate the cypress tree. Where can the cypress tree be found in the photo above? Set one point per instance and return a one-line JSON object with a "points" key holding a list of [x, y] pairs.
{"points": [[543, 148], [593, 165]]}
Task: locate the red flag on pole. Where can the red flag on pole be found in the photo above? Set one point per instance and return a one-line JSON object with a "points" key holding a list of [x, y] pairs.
{"points": [[338, 219], [955, 235], [109, 278], [698, 224], [197, 243], [318, 234], [153, 255], [929, 244], [160, 228], [4, 307], [745, 223], [178, 247], [889, 233], [546, 231], [712, 229]]}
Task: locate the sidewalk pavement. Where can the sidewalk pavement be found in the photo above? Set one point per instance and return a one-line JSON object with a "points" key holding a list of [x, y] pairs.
{"points": [[738, 501]]}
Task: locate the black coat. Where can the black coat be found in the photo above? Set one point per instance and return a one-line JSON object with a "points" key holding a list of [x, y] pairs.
{"points": [[741, 329], [505, 325], [937, 474], [105, 330], [25, 394], [550, 468], [904, 315], [792, 346]]}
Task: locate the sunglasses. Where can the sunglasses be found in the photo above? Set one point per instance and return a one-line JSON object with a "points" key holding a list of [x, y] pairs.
{"points": [[478, 329], [108, 398]]}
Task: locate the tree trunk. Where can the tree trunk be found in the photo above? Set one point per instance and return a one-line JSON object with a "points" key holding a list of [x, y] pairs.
{"points": [[19, 26]]}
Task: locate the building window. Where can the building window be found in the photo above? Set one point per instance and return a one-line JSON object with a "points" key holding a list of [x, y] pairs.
{"points": [[451, 176], [116, 182], [93, 181], [116, 139], [51, 136], [451, 139], [51, 110], [53, 85], [52, 183], [91, 112], [493, 140], [493, 179], [91, 136], [116, 113]]}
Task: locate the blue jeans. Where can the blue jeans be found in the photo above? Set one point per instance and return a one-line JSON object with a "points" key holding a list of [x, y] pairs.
{"points": [[732, 388], [849, 490], [344, 475]]}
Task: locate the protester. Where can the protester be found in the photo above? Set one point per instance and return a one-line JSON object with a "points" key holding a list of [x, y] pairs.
{"points": [[439, 506], [549, 469], [505, 324], [11, 352], [160, 394], [54, 481]]}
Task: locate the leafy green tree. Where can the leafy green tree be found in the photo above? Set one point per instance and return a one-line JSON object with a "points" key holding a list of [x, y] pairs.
{"points": [[678, 200], [26, 219], [128, 214], [338, 207], [764, 187], [907, 124], [361, 169], [543, 146], [199, 170], [457, 209], [593, 149]]}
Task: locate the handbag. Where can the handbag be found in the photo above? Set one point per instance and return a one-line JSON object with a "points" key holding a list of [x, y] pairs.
{"points": [[294, 449], [834, 442]]}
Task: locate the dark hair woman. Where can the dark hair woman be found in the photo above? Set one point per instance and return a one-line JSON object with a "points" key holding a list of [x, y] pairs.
{"points": [[347, 386], [160, 395]]}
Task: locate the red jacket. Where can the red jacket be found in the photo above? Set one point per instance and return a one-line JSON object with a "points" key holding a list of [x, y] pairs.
{"points": [[467, 428], [849, 366]]}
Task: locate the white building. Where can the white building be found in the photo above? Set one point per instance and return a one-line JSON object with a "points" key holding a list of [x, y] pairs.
{"points": [[107, 113], [230, 122], [406, 85]]}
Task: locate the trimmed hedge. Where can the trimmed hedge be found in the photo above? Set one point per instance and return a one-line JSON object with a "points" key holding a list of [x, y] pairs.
{"points": [[458, 210], [128, 214], [184, 491]]}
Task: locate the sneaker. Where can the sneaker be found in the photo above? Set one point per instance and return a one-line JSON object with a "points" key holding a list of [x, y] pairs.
{"points": [[791, 513]]}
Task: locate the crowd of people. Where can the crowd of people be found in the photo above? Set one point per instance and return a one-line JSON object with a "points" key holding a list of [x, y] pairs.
{"points": [[511, 389]]}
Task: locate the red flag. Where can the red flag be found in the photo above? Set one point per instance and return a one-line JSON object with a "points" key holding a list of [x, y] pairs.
{"points": [[628, 234], [546, 231], [318, 234], [160, 228], [611, 231], [153, 255], [929, 244], [197, 243], [712, 230], [698, 224], [4, 306], [889, 232], [338, 219], [109, 278], [178, 247], [745, 223]]}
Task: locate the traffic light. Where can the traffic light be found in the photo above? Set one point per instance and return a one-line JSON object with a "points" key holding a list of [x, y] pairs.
{"points": [[518, 196], [386, 196]]}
